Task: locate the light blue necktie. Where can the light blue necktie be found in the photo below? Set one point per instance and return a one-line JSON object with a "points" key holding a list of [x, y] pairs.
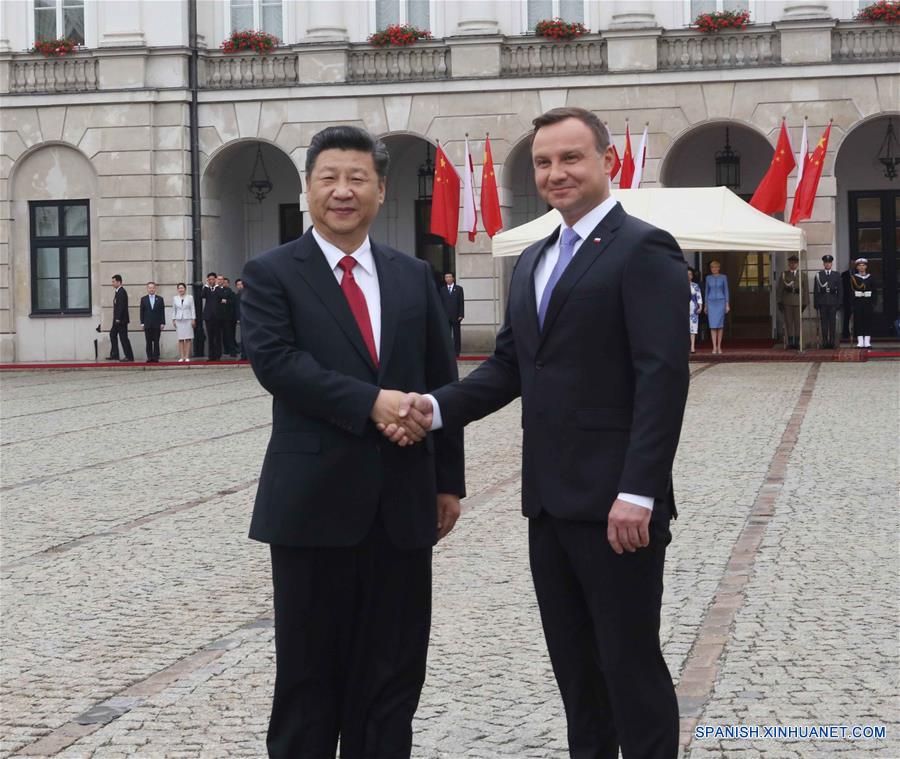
{"points": [[567, 242]]}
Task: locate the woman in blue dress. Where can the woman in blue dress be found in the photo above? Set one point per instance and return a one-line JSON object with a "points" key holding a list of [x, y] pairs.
{"points": [[696, 306], [717, 306]]}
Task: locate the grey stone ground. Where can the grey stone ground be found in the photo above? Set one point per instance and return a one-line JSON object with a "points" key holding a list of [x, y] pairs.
{"points": [[125, 502]]}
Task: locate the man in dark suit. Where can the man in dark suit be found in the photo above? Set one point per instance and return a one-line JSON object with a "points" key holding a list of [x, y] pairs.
{"points": [[222, 314], [846, 300], [238, 292], [153, 319], [334, 326], [596, 343], [119, 329], [231, 325], [454, 301], [209, 295]]}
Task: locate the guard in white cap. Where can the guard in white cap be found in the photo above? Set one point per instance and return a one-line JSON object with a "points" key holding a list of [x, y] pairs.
{"points": [[827, 298], [864, 297]]}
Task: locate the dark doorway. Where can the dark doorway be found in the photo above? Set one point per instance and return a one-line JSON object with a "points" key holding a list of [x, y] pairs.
{"points": [[290, 222], [432, 248], [875, 235]]}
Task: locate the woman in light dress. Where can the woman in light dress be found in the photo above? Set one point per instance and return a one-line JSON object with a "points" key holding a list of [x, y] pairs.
{"points": [[696, 306], [184, 317], [717, 305]]}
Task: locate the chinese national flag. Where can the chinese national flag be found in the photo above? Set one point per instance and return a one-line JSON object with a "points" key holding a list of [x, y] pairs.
{"points": [[445, 199], [617, 164], [809, 184], [771, 195], [490, 199], [627, 163]]}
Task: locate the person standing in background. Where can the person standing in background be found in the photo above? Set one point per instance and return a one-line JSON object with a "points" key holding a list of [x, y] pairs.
{"points": [[717, 303], [213, 329], [119, 329], [454, 301], [789, 298], [230, 327], [696, 307], [238, 292], [864, 298], [184, 319], [827, 299], [153, 320], [847, 298]]}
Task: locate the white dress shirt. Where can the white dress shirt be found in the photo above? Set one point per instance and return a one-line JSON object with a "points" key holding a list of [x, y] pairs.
{"points": [[365, 274], [583, 227]]}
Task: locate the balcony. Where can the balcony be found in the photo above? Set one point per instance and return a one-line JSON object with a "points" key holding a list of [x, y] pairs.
{"points": [[422, 62], [690, 50], [538, 57], [858, 42], [221, 71], [76, 72]]}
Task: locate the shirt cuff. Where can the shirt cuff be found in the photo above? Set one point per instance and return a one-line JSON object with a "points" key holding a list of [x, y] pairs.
{"points": [[644, 501], [436, 422]]}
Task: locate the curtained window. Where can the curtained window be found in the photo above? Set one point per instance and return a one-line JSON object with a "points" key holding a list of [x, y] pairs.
{"points": [[413, 12], [262, 15], [568, 10], [59, 18]]}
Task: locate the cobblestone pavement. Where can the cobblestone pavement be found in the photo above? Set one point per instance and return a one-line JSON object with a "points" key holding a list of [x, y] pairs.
{"points": [[128, 580]]}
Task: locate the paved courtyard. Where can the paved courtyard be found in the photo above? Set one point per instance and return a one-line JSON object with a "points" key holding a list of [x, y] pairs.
{"points": [[136, 614]]}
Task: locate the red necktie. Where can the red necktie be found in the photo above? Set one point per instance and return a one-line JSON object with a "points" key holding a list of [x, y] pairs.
{"points": [[357, 302]]}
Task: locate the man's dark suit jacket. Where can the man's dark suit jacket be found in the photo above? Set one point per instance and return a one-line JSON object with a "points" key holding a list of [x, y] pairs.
{"points": [[327, 470], [153, 317], [224, 311], [604, 384], [120, 306], [208, 295], [454, 303]]}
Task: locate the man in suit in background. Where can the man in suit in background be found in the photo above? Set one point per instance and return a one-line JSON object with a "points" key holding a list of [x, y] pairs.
{"points": [[238, 292], [335, 326], [119, 329], [213, 325], [230, 338], [847, 300], [455, 305], [595, 342], [153, 319]]}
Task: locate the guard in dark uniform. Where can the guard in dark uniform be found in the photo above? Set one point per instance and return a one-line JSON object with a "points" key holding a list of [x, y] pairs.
{"points": [[788, 298], [827, 299], [847, 294], [864, 297]]}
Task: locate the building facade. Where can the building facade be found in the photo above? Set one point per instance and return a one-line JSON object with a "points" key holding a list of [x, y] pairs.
{"points": [[95, 158]]}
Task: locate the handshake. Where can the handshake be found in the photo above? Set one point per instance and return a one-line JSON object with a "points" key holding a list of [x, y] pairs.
{"points": [[403, 418]]}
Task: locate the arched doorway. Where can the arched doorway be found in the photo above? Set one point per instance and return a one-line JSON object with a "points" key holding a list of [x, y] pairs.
{"points": [[56, 293], [405, 219], [236, 224], [868, 213], [691, 161]]}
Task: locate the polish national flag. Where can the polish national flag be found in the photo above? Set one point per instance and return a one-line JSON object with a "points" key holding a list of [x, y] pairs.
{"points": [[640, 160], [470, 215]]}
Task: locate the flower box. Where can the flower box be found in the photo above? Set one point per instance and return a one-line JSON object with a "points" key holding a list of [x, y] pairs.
{"points": [[54, 48], [885, 11], [250, 41], [398, 35], [718, 20], [557, 29]]}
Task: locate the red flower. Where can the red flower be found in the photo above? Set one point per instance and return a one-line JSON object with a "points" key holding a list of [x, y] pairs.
{"points": [[260, 42]]}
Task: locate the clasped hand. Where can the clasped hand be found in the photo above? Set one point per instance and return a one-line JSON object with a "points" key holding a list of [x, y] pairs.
{"points": [[403, 418]]}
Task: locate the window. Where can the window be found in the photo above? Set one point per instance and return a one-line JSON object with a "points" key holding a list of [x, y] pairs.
{"points": [[567, 10], [60, 257], [413, 12], [59, 18], [695, 7], [264, 15], [755, 273]]}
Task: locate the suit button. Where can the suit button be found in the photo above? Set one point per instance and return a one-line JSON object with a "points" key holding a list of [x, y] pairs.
{"points": [[538, 365]]}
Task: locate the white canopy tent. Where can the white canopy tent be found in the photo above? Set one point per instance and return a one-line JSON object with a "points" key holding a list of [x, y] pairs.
{"points": [[700, 218]]}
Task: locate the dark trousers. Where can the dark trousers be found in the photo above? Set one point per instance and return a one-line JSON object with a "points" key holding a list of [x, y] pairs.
{"points": [[151, 336], [455, 329], [826, 317], [600, 613], [351, 639], [229, 337], [862, 317], [116, 333], [213, 339]]}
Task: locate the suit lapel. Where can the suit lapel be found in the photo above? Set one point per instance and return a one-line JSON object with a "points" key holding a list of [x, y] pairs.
{"points": [[532, 257], [388, 285], [589, 251], [313, 267]]}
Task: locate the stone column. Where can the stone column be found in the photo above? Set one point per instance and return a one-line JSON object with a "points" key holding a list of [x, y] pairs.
{"points": [[326, 21], [633, 14], [804, 10], [478, 17]]}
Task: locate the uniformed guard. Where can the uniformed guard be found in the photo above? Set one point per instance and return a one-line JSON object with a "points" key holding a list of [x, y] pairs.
{"points": [[827, 298], [787, 295], [864, 297]]}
